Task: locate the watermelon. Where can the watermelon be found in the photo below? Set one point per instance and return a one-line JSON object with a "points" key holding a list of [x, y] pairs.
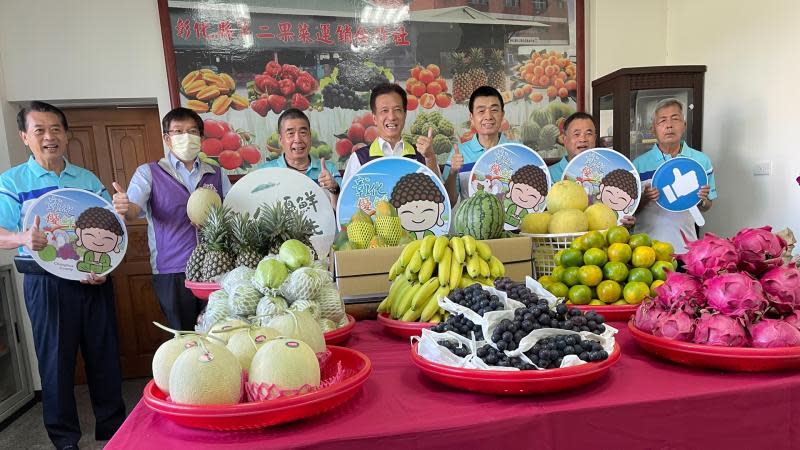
{"points": [[480, 216]]}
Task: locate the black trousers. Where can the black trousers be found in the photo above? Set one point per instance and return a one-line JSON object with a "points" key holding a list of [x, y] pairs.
{"points": [[67, 315], [177, 302]]}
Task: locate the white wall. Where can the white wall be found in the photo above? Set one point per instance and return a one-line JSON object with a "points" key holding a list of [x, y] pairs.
{"points": [[88, 52], [751, 101]]}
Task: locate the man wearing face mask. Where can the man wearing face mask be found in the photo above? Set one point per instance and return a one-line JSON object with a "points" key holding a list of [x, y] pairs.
{"points": [[159, 191]]}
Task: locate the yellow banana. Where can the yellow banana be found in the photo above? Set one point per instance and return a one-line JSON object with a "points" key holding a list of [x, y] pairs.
{"points": [[408, 253], [466, 282], [483, 250], [416, 262], [458, 249], [456, 270], [426, 248], [426, 270], [444, 267], [435, 319], [384, 305], [496, 267], [484, 267], [394, 270], [485, 281], [433, 304], [405, 301], [439, 247], [411, 315], [470, 245], [398, 297], [474, 266], [424, 293], [395, 288]]}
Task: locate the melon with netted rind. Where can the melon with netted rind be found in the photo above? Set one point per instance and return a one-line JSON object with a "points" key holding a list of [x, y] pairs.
{"points": [[206, 374], [286, 364], [200, 203], [245, 342], [165, 357]]}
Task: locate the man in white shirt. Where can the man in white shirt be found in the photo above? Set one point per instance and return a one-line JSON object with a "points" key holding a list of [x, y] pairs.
{"points": [[388, 103]]}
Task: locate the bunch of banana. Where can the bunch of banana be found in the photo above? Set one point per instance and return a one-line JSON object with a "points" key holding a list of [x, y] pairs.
{"points": [[429, 269]]}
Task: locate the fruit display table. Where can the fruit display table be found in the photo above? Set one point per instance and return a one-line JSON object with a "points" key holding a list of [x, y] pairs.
{"points": [[641, 403]]}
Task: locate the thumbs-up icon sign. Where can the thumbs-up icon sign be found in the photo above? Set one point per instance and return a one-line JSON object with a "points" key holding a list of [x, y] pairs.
{"points": [[685, 183]]}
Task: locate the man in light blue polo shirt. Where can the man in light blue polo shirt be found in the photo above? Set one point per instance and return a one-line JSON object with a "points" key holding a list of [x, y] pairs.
{"points": [[669, 126], [486, 112], [65, 315], [294, 130]]}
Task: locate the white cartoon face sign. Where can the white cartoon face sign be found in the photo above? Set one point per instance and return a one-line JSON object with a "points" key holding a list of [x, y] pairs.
{"points": [[84, 234]]}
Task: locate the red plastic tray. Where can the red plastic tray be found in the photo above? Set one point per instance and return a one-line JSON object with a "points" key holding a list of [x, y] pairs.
{"points": [[612, 313], [402, 329], [522, 382], [201, 289], [342, 334], [739, 359], [245, 416]]}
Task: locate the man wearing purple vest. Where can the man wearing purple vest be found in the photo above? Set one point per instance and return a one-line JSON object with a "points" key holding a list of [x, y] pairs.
{"points": [[159, 191]]}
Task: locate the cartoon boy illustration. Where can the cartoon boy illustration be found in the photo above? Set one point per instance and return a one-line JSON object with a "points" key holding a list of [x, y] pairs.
{"points": [[100, 233], [419, 203], [526, 193], [618, 190]]}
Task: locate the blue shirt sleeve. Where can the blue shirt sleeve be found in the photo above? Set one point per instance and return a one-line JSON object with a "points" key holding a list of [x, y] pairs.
{"points": [[10, 206], [446, 169], [712, 183], [139, 188], [333, 170]]}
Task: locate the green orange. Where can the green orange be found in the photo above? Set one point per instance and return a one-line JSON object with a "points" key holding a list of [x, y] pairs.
{"points": [[639, 240], [559, 289], [597, 302], [635, 292], [546, 280], [619, 252], [615, 271], [660, 269], [609, 291], [557, 257], [617, 235], [557, 273], [578, 243], [640, 274], [664, 250], [572, 257], [653, 287], [590, 275], [580, 294], [643, 256], [595, 256], [594, 239], [570, 277]]}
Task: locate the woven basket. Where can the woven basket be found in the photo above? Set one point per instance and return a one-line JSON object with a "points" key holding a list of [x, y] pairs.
{"points": [[545, 247]]}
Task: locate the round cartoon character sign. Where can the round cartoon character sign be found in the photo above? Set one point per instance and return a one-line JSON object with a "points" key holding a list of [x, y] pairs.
{"points": [[607, 176], [516, 173], [412, 189], [84, 234]]}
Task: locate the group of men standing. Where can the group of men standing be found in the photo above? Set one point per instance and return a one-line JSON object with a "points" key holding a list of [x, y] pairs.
{"points": [[68, 315]]}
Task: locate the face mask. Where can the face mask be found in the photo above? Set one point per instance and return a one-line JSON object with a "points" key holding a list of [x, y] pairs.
{"points": [[185, 146]]}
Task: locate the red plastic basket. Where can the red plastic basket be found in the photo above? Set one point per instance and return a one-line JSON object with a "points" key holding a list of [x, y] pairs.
{"points": [[342, 334], [201, 289], [245, 416], [402, 329], [739, 359], [612, 313], [522, 382]]}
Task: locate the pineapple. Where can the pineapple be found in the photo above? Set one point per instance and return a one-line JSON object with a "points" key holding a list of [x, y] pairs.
{"points": [[217, 233], [461, 85], [476, 74], [497, 74], [278, 224], [245, 234], [194, 266]]}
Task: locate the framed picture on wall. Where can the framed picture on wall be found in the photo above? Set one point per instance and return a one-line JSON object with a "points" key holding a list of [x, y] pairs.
{"points": [[239, 64]]}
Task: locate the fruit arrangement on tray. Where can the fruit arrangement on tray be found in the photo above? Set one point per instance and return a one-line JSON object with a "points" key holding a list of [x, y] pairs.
{"points": [[209, 91], [281, 87]]}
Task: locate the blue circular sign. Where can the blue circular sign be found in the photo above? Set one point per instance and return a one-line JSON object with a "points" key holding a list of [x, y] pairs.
{"points": [[678, 181]]}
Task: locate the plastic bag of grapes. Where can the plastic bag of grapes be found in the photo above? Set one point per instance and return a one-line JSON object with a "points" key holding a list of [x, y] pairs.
{"points": [[473, 294], [540, 291], [452, 349]]}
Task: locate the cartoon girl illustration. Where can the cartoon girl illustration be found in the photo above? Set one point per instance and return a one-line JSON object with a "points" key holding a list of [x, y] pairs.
{"points": [[618, 190], [100, 233], [526, 193], [419, 203]]}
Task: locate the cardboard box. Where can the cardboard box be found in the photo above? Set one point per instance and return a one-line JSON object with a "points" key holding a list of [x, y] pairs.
{"points": [[362, 275]]}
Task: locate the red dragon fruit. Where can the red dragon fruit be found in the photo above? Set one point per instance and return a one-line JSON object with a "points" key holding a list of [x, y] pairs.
{"points": [[647, 315], [719, 330], [678, 325], [793, 319], [769, 333], [709, 256], [680, 289], [759, 249], [735, 294], [782, 285]]}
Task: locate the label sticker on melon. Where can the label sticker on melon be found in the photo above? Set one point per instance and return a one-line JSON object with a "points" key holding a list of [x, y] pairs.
{"points": [[517, 175], [608, 177], [292, 344], [84, 234], [294, 189], [387, 184]]}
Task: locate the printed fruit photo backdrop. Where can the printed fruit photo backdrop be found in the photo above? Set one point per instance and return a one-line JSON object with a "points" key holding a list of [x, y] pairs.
{"points": [[248, 105]]}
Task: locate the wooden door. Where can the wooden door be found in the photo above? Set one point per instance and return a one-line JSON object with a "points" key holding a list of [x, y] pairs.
{"points": [[112, 143]]}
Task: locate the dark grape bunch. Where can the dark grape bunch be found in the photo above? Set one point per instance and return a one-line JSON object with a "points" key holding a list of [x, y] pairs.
{"points": [[342, 96], [548, 353], [494, 357], [459, 324], [508, 333], [454, 348], [517, 291], [476, 298]]}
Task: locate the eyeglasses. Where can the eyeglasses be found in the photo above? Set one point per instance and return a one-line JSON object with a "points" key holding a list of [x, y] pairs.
{"points": [[193, 131]]}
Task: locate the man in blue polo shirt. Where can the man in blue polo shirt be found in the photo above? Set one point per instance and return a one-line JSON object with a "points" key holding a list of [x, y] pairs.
{"points": [[294, 130], [486, 112], [65, 315], [669, 126]]}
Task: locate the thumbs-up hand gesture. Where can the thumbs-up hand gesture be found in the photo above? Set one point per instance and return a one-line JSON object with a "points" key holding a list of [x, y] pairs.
{"points": [[120, 200], [33, 237], [325, 179], [457, 161], [425, 145], [685, 183]]}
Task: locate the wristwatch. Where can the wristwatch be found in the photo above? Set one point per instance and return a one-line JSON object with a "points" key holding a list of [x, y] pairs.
{"points": [[335, 190]]}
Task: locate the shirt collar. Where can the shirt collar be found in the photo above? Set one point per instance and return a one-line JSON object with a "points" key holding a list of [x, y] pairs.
{"points": [[478, 145], [40, 171], [313, 165], [684, 151], [177, 163], [387, 148]]}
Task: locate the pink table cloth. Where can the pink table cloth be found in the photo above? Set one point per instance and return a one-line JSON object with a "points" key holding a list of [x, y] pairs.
{"points": [[643, 403]]}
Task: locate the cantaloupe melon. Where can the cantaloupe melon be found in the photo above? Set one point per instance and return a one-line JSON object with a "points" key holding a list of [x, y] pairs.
{"points": [[245, 342], [206, 374], [302, 326], [285, 363], [165, 357], [223, 331], [199, 204]]}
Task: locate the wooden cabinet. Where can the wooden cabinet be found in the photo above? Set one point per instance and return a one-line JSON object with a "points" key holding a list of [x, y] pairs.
{"points": [[623, 104]]}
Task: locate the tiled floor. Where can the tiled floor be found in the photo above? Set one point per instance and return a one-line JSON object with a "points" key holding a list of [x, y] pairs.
{"points": [[27, 432]]}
